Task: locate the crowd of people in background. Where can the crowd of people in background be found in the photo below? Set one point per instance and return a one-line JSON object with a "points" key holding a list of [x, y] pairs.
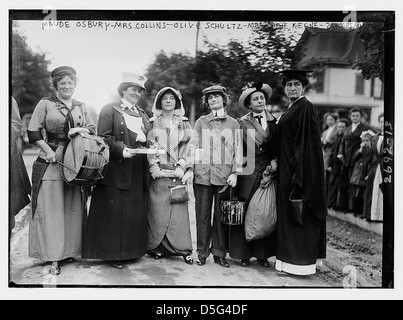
{"points": [[140, 207], [352, 154]]}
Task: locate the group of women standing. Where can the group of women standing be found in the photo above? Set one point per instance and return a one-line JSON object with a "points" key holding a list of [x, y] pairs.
{"points": [[131, 211]]}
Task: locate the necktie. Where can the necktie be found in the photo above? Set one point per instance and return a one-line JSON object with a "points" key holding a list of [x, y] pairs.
{"points": [[259, 119]]}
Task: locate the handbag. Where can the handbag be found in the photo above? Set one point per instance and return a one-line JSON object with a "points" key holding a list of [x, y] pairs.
{"points": [[179, 194], [232, 209], [297, 207]]}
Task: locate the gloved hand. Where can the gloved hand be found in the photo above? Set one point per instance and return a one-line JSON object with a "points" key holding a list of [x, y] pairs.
{"points": [[188, 176], [127, 154], [179, 172], [232, 180], [74, 131]]}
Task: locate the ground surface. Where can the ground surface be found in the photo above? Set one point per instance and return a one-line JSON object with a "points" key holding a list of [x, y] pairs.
{"points": [[354, 259]]}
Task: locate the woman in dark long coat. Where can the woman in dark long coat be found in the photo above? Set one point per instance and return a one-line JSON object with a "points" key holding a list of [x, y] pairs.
{"points": [[257, 157], [117, 223], [300, 246], [20, 185]]}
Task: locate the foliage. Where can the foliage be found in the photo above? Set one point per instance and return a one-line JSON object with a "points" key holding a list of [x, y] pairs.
{"points": [[29, 74], [273, 46], [232, 65], [372, 35]]}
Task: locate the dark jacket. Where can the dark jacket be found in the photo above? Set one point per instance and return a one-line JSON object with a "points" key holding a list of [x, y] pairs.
{"points": [[362, 163], [351, 143], [112, 127]]}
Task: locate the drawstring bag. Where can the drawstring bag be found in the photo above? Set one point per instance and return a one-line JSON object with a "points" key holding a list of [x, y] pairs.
{"points": [[261, 215]]}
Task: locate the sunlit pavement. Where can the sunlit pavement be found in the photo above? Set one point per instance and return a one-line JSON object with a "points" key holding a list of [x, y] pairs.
{"points": [[146, 271]]}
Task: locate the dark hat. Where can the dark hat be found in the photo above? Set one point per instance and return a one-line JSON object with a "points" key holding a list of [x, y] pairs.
{"points": [[294, 73], [218, 89], [63, 69], [263, 87]]}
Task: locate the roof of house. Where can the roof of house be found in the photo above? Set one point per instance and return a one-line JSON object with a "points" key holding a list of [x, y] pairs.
{"points": [[335, 45]]}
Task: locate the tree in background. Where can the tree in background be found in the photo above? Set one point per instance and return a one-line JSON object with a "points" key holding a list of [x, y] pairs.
{"points": [[229, 65], [372, 35], [29, 73], [175, 70]]}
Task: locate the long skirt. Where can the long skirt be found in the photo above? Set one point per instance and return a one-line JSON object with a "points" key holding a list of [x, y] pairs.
{"points": [[377, 198], [356, 198], [116, 227], [168, 224], [55, 230], [299, 248]]}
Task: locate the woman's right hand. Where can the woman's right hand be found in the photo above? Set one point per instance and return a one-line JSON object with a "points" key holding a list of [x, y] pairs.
{"points": [[50, 156], [127, 154]]}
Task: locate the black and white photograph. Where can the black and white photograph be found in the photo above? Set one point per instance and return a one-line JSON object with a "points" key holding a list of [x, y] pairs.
{"points": [[198, 149]]}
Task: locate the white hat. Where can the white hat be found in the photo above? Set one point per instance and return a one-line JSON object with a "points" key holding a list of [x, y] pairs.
{"points": [[179, 109], [137, 79]]}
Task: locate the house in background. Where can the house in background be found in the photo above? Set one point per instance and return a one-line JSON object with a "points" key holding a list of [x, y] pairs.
{"points": [[339, 87]]}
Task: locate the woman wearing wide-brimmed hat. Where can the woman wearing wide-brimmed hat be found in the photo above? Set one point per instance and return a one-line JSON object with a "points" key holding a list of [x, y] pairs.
{"points": [[302, 209], [55, 229], [116, 229], [168, 223], [258, 127]]}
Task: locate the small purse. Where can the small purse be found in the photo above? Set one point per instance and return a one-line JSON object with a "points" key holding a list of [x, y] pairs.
{"points": [[297, 207], [179, 194]]}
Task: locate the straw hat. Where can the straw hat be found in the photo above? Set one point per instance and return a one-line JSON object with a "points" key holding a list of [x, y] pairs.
{"points": [[262, 87]]}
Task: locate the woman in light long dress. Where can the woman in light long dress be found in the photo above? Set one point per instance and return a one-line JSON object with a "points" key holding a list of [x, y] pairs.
{"points": [[168, 223], [55, 229]]}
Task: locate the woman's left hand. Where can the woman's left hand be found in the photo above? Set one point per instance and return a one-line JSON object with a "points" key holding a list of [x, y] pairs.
{"points": [[74, 131], [232, 180], [179, 172]]}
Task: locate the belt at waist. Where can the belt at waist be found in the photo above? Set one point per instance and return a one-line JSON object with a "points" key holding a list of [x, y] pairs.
{"points": [[52, 137], [56, 139]]}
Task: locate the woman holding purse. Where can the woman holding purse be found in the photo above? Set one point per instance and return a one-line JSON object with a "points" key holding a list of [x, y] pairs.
{"points": [[302, 210], [168, 220]]}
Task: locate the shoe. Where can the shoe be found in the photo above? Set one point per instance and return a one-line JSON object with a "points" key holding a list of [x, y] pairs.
{"points": [[221, 261], [263, 263], [188, 259], [117, 265], [245, 262], [55, 268], [69, 260], [156, 255], [201, 261]]}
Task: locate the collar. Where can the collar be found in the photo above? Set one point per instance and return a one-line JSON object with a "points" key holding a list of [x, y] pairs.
{"points": [[262, 114], [126, 104], [219, 113], [295, 101], [354, 125]]}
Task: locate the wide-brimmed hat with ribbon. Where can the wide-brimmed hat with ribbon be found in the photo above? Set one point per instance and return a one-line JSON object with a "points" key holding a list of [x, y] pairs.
{"points": [[262, 87]]}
